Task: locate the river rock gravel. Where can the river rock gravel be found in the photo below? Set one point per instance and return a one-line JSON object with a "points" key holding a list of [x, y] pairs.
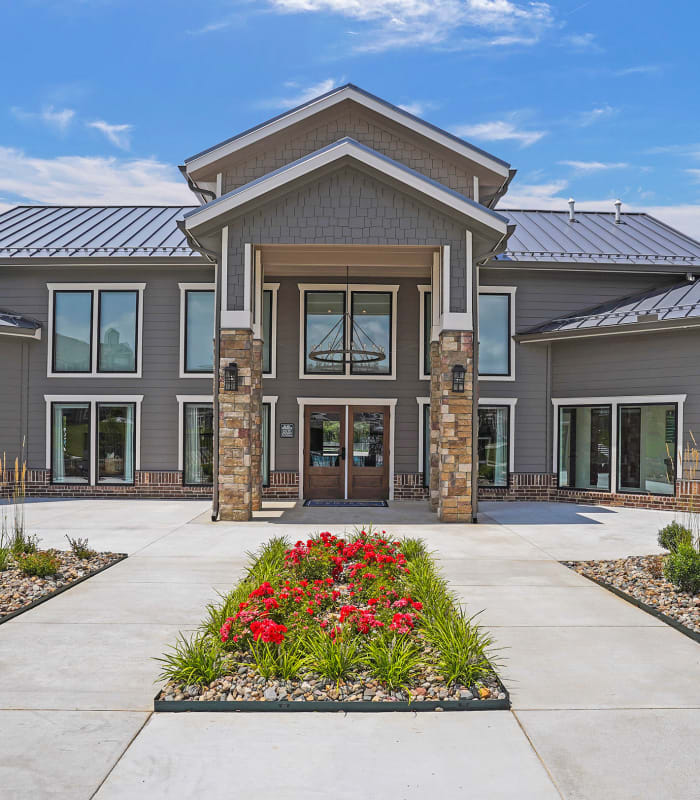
{"points": [[642, 577], [18, 590]]}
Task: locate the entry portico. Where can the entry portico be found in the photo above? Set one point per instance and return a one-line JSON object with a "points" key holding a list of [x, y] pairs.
{"points": [[346, 235]]}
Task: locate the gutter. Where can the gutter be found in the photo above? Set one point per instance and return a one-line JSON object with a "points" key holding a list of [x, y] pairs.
{"points": [[198, 190], [609, 330], [502, 189]]}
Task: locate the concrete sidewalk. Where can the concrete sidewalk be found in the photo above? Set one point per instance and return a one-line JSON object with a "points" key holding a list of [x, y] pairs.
{"points": [[605, 697]]}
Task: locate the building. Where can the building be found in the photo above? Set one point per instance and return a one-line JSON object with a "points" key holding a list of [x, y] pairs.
{"points": [[341, 257]]}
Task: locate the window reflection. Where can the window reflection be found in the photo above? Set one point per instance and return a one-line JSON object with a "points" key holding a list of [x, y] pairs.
{"points": [[368, 439], [199, 331], [494, 334], [72, 340], [324, 310], [117, 343], [371, 312]]}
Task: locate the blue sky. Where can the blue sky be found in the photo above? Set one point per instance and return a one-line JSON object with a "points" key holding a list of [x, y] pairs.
{"points": [[594, 99]]}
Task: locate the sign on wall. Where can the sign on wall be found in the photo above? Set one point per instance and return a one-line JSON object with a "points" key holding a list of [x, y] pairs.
{"points": [[287, 430]]}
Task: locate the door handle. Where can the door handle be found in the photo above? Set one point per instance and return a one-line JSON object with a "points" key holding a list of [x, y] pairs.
{"points": [[342, 453]]}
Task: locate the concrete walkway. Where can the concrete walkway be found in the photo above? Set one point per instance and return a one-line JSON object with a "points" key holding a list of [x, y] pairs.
{"points": [[606, 699]]}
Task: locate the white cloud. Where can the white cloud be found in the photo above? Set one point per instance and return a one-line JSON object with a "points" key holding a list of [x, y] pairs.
{"points": [[595, 115], [498, 131], [594, 166], [694, 173], [118, 135], [302, 94], [581, 41], [59, 119], [418, 107], [410, 23], [90, 180], [642, 69], [552, 197]]}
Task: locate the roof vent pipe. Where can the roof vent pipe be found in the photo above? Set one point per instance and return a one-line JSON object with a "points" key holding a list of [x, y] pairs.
{"points": [[572, 215], [618, 206]]}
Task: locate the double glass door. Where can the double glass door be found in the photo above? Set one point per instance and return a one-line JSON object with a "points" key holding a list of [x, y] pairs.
{"points": [[346, 452]]}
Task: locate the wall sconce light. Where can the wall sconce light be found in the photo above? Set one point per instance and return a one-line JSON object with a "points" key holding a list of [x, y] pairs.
{"points": [[231, 377], [458, 373]]}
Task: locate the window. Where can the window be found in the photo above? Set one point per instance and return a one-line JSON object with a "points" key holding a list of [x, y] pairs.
{"points": [[95, 330], [70, 443], [496, 321], [115, 443], [493, 445], [323, 326], [117, 327], [426, 443], [92, 441], [267, 331], [584, 447], [198, 333], [266, 430], [425, 332], [647, 447], [198, 465]]}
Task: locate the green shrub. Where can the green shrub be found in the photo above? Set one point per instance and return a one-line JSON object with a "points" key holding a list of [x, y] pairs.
{"points": [[41, 563], [427, 585], [21, 543], [394, 661], [80, 548], [285, 660], [198, 660], [5, 557], [673, 535], [333, 658], [463, 647], [682, 568], [218, 613], [413, 548], [268, 561]]}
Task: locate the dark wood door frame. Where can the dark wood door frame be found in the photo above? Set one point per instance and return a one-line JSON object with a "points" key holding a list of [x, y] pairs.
{"points": [[324, 483], [369, 483]]}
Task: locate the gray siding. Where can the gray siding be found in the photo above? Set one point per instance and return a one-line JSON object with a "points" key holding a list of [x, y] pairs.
{"points": [[15, 353], [23, 289], [369, 129], [541, 296], [347, 207], [641, 364], [288, 386]]}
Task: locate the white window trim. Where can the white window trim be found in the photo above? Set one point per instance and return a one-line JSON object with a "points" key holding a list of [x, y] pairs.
{"points": [[615, 401], [95, 288], [511, 291], [93, 400], [347, 402], [422, 402], [511, 402], [272, 400], [422, 291], [274, 288], [181, 400], [184, 288], [353, 287]]}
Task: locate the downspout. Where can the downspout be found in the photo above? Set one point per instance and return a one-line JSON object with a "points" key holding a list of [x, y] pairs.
{"points": [[214, 258], [198, 190], [502, 189]]}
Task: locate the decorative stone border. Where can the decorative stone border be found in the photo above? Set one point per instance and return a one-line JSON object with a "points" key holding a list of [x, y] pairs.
{"points": [[61, 589], [361, 706], [691, 634]]}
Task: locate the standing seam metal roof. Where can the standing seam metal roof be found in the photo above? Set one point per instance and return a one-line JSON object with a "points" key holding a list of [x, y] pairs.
{"points": [[595, 237], [83, 231], [681, 301]]}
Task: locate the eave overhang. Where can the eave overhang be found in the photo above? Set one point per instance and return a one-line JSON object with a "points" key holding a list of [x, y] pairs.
{"points": [[347, 151], [19, 326], [211, 155], [608, 330]]}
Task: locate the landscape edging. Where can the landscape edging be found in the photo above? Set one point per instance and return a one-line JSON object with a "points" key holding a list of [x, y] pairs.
{"points": [[60, 590]]}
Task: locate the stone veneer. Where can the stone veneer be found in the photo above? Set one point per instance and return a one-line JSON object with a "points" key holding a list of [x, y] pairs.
{"points": [[240, 423], [451, 453]]}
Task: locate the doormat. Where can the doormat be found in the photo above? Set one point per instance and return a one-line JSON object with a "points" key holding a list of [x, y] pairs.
{"points": [[347, 503]]}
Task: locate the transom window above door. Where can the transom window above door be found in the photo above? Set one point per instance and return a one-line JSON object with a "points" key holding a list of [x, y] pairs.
{"points": [[344, 319], [95, 329]]}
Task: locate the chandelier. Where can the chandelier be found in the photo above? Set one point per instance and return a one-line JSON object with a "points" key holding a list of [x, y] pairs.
{"points": [[359, 348]]}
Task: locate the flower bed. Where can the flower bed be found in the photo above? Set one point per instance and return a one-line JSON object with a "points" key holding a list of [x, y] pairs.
{"points": [[641, 579], [19, 592], [363, 623]]}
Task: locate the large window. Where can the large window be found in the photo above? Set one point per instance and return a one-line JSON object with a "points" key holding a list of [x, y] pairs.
{"points": [[70, 443], [79, 457], [493, 445], [495, 334], [199, 331], [647, 447], [372, 323], [584, 447], [198, 451], [109, 317], [115, 443]]}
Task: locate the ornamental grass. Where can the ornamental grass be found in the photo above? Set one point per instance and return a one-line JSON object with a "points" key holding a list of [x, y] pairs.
{"points": [[337, 609]]}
